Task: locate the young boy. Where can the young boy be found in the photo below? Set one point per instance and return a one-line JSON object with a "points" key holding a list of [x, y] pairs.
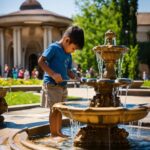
{"points": [[56, 62]]}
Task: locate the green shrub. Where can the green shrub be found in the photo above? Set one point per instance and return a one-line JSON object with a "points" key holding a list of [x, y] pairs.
{"points": [[146, 83]]}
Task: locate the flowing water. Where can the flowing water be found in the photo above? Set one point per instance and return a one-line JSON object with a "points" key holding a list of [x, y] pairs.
{"points": [[119, 66], [100, 64]]}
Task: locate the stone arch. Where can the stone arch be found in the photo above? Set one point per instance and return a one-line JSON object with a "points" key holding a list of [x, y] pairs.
{"points": [[33, 62], [32, 53]]}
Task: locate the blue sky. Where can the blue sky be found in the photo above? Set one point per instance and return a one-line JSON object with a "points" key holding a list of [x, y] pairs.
{"points": [[63, 7]]}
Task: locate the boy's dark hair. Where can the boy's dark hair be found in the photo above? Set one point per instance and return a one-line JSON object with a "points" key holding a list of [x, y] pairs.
{"points": [[76, 36]]}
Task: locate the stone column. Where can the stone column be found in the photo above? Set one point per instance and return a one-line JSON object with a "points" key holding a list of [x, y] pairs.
{"points": [[17, 46], [2, 51], [47, 40], [47, 36]]}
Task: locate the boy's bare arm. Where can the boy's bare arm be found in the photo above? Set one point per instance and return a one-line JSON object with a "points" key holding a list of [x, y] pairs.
{"points": [[57, 77]]}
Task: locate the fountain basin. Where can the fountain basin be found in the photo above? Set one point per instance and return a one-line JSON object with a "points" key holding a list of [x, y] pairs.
{"points": [[110, 52], [120, 82], [101, 115], [38, 137]]}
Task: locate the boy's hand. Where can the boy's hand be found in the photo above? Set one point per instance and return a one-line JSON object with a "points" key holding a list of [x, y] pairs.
{"points": [[57, 77]]}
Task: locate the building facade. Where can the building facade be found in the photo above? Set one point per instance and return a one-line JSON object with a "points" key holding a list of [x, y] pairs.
{"points": [[24, 34], [143, 35], [143, 27]]}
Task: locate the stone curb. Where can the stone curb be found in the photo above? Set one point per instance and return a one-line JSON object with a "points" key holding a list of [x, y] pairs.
{"points": [[21, 107]]}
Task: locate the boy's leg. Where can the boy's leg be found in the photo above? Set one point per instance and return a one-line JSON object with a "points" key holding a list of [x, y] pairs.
{"points": [[56, 123], [53, 96]]}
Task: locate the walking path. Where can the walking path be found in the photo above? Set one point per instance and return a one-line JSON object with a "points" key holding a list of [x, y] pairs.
{"points": [[16, 120]]}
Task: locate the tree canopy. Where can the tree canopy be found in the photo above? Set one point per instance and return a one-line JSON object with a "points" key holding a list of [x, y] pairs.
{"points": [[95, 17], [98, 16]]}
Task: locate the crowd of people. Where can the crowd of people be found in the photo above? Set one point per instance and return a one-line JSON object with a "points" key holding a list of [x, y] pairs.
{"points": [[20, 73]]}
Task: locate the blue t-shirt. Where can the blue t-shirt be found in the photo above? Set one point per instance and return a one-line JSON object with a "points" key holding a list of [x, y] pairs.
{"points": [[59, 61]]}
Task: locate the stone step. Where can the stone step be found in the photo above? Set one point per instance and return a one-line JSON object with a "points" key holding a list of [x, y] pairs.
{"points": [[20, 141], [14, 141]]}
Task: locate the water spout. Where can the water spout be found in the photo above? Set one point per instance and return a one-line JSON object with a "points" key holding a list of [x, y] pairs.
{"points": [[100, 64]]}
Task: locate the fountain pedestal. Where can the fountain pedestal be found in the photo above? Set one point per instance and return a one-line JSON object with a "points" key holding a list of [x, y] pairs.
{"points": [[101, 136]]}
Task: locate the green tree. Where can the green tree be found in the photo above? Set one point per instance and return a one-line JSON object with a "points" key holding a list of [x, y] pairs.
{"points": [[128, 9], [130, 65], [133, 22], [124, 34], [128, 37], [95, 17]]}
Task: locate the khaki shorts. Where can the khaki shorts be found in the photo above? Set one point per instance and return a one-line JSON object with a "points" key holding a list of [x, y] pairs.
{"points": [[53, 94]]}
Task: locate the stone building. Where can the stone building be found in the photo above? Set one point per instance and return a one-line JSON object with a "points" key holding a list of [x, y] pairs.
{"points": [[24, 34], [143, 28], [143, 36]]}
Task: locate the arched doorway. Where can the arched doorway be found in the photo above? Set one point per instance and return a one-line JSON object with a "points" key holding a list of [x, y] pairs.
{"points": [[33, 62], [32, 53], [10, 55]]}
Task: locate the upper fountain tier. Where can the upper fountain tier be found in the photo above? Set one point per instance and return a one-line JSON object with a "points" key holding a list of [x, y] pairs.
{"points": [[110, 53]]}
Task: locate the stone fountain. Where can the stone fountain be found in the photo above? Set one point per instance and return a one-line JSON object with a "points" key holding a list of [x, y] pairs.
{"points": [[3, 104], [105, 110]]}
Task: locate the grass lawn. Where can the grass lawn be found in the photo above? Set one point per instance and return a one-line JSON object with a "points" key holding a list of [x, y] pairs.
{"points": [[19, 98]]}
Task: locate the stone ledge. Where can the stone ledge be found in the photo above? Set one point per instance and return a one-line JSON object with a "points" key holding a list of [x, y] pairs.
{"points": [[25, 106], [24, 88]]}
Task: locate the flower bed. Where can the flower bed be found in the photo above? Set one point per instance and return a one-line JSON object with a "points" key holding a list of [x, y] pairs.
{"points": [[11, 82]]}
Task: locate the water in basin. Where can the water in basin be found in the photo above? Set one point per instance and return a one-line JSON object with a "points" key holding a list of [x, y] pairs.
{"points": [[138, 138]]}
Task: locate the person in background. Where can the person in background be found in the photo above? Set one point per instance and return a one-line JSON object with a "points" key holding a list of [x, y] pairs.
{"points": [[145, 75], [56, 62], [79, 71], [26, 74], [35, 73], [15, 72], [88, 75], [92, 72], [21, 73], [6, 71]]}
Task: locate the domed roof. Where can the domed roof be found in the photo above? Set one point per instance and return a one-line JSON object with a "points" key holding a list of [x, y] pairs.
{"points": [[30, 4], [31, 12]]}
